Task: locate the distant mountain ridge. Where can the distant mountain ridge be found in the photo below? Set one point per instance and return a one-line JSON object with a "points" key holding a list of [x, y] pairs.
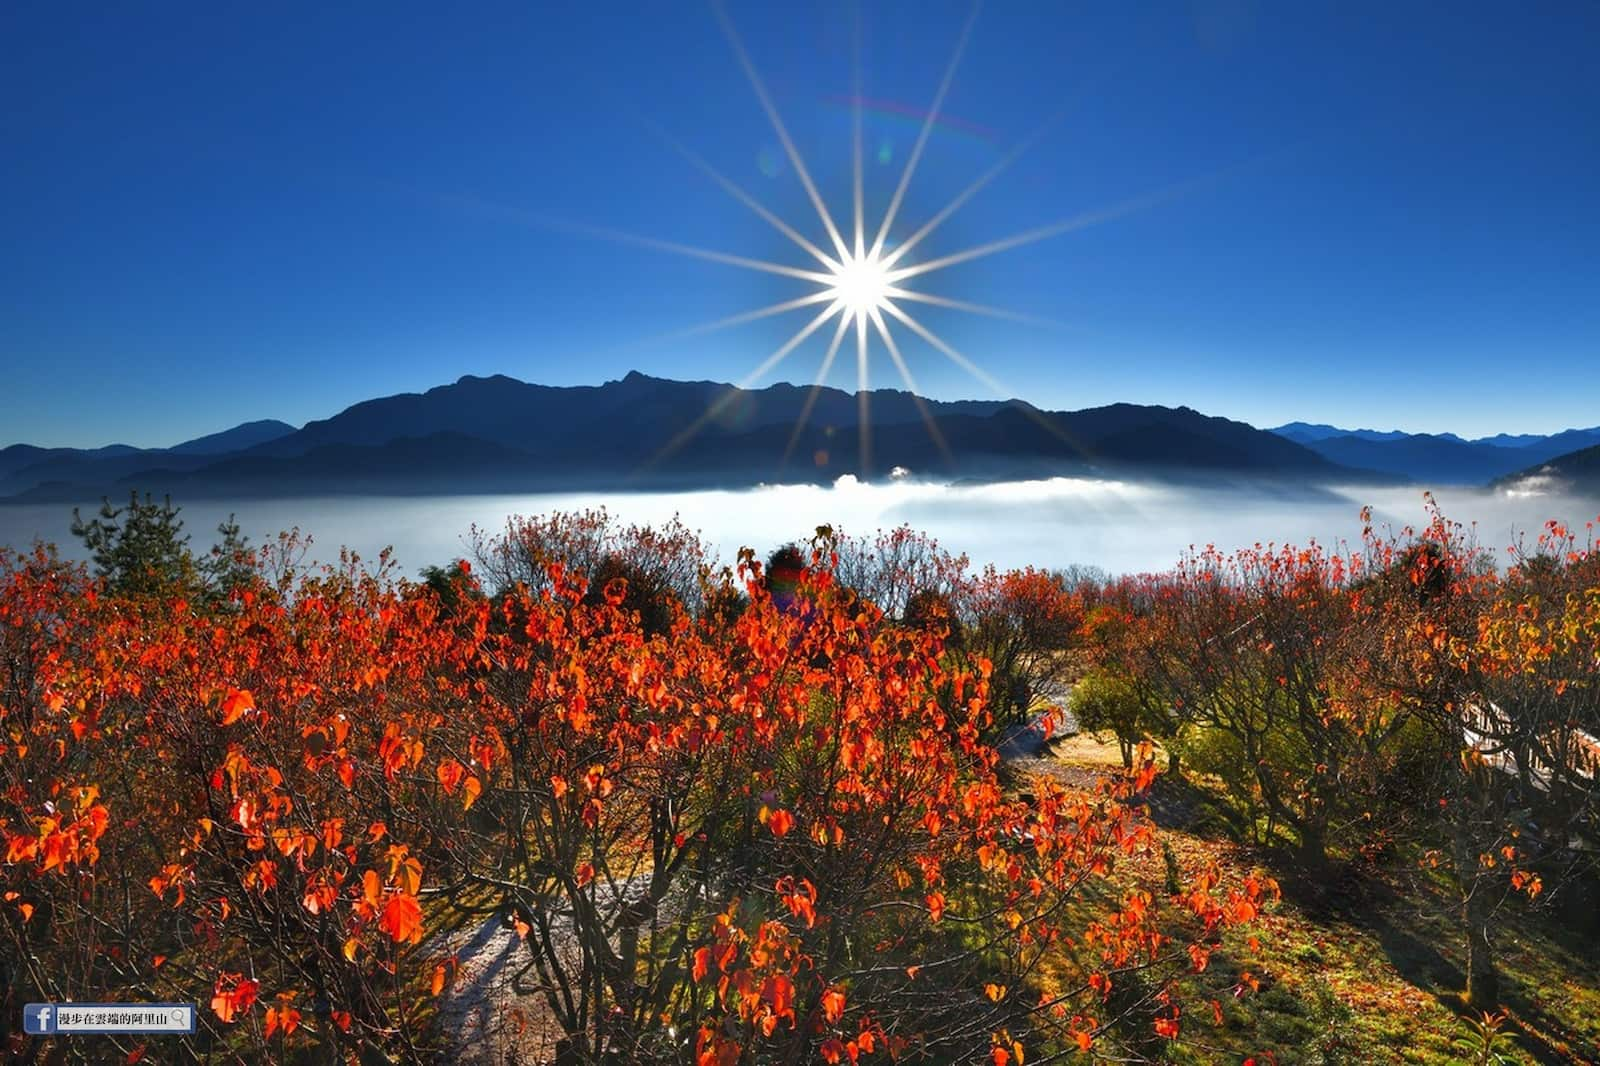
{"points": [[481, 434], [1578, 470], [236, 439], [1442, 458], [1307, 432], [23, 466], [523, 415], [492, 434]]}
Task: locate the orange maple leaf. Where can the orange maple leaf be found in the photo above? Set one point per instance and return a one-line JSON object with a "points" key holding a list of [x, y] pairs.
{"points": [[833, 1004], [236, 704], [402, 918]]}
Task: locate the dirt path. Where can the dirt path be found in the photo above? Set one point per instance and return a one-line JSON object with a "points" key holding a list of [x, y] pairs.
{"points": [[490, 1022]]}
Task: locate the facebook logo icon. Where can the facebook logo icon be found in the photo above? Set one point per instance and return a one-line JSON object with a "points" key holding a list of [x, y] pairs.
{"points": [[38, 1019]]}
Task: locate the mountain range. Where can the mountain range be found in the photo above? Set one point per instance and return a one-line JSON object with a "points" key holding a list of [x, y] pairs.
{"points": [[498, 434], [1439, 459], [1580, 469]]}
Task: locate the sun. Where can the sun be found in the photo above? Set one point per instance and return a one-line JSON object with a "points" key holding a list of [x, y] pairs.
{"points": [[860, 284], [868, 285]]}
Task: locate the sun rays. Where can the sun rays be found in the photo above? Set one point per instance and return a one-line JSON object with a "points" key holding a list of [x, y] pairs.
{"points": [[859, 276], [861, 281]]}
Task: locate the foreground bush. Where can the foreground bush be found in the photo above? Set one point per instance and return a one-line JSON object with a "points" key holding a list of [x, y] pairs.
{"points": [[1404, 697], [772, 833]]}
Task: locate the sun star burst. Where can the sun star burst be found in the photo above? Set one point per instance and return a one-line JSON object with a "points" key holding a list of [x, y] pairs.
{"points": [[860, 285]]}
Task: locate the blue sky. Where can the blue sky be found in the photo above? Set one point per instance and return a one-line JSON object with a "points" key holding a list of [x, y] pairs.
{"points": [[1368, 214]]}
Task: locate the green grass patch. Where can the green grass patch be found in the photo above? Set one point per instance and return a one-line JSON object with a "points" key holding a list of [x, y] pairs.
{"points": [[1365, 969]]}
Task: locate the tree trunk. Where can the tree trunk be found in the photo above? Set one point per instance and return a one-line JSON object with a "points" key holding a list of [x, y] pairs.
{"points": [[1483, 982], [1524, 759], [1477, 914], [1313, 847], [1477, 908], [572, 1050], [1174, 763]]}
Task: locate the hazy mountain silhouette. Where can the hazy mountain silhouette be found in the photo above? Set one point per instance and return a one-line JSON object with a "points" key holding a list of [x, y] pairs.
{"points": [[236, 439], [1306, 432], [1518, 440], [1579, 471], [24, 466], [500, 434], [437, 463], [1442, 458], [1566, 442], [22, 456]]}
